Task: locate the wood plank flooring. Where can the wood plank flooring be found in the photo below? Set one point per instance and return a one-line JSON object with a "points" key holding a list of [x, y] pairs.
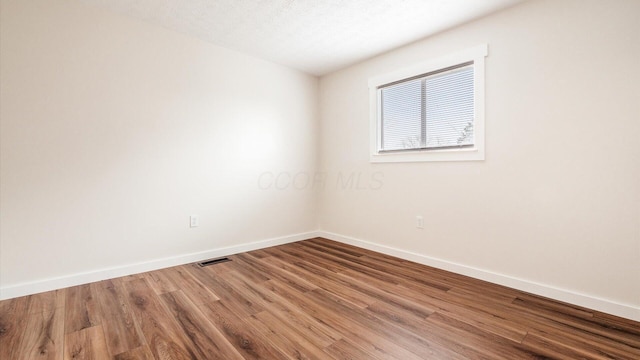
{"points": [[315, 299]]}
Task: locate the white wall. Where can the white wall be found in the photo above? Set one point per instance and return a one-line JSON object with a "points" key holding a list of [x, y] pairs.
{"points": [[556, 203], [113, 132]]}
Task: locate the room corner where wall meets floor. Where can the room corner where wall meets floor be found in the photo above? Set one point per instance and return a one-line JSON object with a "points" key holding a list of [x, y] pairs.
{"points": [[555, 205], [114, 132], [587, 301], [49, 284], [314, 299]]}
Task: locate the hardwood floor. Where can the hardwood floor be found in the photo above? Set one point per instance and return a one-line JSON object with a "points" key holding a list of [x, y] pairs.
{"points": [[315, 299]]}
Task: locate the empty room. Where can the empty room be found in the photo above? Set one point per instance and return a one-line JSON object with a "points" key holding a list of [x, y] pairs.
{"points": [[319, 179]]}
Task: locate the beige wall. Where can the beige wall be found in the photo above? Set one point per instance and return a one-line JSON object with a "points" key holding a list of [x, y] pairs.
{"points": [[115, 131], [557, 200]]}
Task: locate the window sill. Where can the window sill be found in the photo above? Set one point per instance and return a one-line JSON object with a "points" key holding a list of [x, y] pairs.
{"points": [[465, 154]]}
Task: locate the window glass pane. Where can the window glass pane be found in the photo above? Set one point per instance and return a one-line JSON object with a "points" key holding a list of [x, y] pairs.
{"points": [[449, 108], [401, 115]]}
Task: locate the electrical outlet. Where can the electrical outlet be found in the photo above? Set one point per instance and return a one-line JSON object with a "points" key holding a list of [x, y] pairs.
{"points": [[419, 222], [194, 221]]}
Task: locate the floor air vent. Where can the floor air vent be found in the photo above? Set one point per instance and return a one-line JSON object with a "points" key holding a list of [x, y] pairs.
{"points": [[213, 261]]}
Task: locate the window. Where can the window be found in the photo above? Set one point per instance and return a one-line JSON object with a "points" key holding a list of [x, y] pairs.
{"points": [[431, 111]]}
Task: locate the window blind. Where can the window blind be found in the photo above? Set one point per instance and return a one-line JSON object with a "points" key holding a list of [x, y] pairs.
{"points": [[402, 115], [431, 111]]}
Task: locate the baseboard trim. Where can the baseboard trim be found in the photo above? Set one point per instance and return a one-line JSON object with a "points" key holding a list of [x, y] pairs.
{"points": [[588, 301], [34, 287]]}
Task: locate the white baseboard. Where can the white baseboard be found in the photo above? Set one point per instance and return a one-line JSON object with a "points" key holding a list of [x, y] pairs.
{"points": [[588, 301], [38, 286]]}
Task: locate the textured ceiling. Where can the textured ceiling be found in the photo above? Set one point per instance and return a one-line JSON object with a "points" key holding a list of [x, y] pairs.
{"points": [[315, 36]]}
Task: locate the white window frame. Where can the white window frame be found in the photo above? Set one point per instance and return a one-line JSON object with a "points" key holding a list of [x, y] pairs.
{"points": [[476, 55]]}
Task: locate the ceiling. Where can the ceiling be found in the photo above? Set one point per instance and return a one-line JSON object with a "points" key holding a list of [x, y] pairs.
{"points": [[314, 36]]}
